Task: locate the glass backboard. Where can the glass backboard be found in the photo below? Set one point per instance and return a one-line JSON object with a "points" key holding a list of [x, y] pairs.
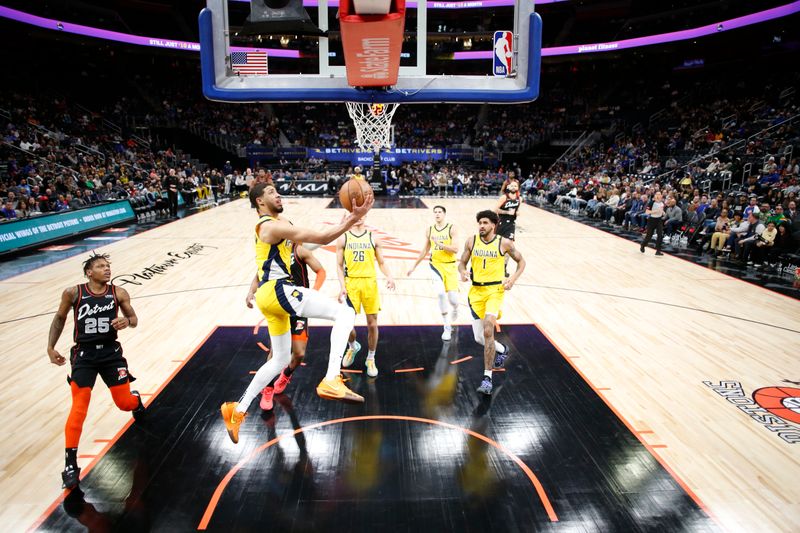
{"points": [[447, 55]]}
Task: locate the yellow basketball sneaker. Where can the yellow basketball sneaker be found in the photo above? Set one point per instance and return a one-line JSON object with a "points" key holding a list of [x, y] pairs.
{"points": [[372, 370], [232, 419], [335, 389], [350, 354]]}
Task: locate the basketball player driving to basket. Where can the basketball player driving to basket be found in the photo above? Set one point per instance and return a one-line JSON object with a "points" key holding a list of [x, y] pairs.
{"points": [[302, 259], [278, 299]]}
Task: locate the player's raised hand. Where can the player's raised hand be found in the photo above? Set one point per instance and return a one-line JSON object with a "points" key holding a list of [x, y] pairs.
{"points": [[360, 210]]}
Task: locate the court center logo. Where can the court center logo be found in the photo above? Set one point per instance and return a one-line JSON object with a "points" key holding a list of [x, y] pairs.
{"points": [[777, 408]]}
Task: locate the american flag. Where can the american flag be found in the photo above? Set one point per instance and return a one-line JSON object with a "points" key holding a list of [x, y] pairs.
{"points": [[249, 63]]}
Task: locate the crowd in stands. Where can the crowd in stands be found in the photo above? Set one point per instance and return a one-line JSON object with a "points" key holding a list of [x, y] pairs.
{"points": [[715, 201], [328, 125], [711, 157], [55, 157]]}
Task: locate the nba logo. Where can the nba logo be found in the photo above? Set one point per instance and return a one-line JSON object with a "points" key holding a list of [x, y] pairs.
{"points": [[503, 53]]}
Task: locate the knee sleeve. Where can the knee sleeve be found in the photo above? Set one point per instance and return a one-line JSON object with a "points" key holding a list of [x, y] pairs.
{"points": [[281, 355], [442, 302], [123, 398], [452, 296], [477, 331], [77, 415], [315, 305], [281, 348]]}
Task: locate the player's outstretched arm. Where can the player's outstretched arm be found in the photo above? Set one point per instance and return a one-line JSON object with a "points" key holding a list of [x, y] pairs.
{"points": [[57, 326], [281, 229]]}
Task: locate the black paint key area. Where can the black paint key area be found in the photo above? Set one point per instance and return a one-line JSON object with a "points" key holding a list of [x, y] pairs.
{"points": [[425, 452]]}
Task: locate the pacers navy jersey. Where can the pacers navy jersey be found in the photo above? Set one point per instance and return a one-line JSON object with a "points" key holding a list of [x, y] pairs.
{"points": [[93, 315]]}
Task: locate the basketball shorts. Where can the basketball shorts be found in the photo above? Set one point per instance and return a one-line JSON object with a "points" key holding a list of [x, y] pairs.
{"points": [[278, 300], [362, 293], [105, 359], [448, 273], [507, 228], [299, 328], [486, 301]]}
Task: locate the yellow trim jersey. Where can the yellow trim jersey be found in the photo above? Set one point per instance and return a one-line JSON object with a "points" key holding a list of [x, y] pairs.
{"points": [[359, 255], [487, 265], [273, 261], [439, 238]]}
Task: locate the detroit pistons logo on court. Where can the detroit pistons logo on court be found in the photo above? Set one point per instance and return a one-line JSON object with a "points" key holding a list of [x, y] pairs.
{"points": [[503, 53], [776, 408], [780, 401]]}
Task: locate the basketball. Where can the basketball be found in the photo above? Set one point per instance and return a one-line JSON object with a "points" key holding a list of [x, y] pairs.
{"points": [[353, 187]]}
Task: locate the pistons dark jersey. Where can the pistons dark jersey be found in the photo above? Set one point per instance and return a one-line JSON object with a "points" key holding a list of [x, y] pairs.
{"points": [[299, 269], [509, 205], [93, 315]]}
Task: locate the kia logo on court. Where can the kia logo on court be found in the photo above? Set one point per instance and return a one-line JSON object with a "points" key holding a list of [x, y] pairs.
{"points": [[777, 408], [309, 187]]}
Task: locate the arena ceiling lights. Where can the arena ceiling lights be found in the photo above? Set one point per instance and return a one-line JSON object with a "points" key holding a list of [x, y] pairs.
{"points": [[590, 48]]}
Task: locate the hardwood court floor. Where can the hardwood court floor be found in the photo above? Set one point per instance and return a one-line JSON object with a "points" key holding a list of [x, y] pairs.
{"points": [[650, 335]]}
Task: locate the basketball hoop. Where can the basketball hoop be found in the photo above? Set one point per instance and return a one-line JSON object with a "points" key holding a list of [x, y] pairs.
{"points": [[373, 124]]}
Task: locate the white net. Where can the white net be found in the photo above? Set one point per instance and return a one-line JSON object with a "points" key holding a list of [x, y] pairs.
{"points": [[373, 124]]}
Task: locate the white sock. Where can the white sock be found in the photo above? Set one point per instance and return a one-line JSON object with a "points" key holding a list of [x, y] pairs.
{"points": [[446, 319], [352, 345], [281, 351], [371, 355], [487, 373]]}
